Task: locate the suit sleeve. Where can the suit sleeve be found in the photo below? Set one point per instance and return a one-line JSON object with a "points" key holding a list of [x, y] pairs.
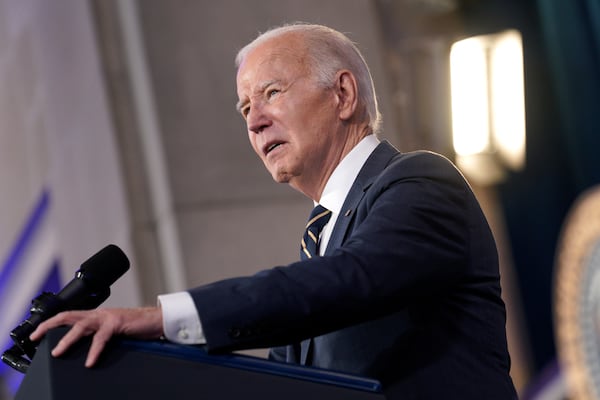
{"points": [[408, 242]]}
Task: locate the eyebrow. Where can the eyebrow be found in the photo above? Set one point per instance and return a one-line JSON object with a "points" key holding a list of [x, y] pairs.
{"points": [[241, 103]]}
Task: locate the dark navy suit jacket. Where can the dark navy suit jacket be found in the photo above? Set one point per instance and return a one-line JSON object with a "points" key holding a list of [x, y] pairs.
{"points": [[408, 290]]}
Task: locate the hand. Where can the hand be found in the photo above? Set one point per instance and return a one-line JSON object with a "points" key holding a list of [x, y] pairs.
{"points": [[139, 323]]}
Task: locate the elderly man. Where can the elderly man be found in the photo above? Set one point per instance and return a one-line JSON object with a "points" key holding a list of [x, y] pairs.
{"points": [[398, 278]]}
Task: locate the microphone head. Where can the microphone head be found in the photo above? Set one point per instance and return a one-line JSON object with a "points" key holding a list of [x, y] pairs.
{"points": [[103, 268]]}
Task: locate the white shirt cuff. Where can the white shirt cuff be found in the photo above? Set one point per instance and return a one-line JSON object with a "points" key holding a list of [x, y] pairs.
{"points": [[181, 323]]}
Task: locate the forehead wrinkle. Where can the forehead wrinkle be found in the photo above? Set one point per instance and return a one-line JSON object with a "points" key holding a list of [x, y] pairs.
{"points": [[257, 91], [280, 51]]}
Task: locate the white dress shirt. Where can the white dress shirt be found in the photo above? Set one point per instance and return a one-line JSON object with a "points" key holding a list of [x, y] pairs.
{"points": [[181, 323]]}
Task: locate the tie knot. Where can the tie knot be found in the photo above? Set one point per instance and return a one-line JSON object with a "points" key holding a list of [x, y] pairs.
{"points": [[319, 216], [310, 241]]}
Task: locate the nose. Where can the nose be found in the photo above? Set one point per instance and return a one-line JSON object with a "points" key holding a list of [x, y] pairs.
{"points": [[257, 119]]}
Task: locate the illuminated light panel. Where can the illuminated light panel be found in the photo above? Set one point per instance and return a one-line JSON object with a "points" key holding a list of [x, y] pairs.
{"points": [[488, 101], [508, 98], [468, 80]]}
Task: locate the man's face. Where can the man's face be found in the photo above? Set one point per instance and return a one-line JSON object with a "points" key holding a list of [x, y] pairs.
{"points": [[292, 121]]}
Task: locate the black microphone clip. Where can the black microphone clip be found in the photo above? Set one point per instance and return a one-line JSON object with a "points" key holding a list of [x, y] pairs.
{"points": [[89, 289]]}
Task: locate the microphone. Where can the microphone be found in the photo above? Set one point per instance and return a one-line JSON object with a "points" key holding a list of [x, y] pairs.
{"points": [[89, 289]]}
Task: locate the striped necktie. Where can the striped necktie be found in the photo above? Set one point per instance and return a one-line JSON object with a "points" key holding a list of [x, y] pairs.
{"points": [[310, 241]]}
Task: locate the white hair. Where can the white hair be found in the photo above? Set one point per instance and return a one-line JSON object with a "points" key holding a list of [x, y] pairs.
{"points": [[329, 51]]}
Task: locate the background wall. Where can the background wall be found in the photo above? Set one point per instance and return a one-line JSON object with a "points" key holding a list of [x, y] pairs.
{"points": [[118, 125], [219, 195]]}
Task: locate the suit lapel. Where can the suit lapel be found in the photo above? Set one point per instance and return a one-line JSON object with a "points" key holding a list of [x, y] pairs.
{"points": [[373, 166], [376, 162]]}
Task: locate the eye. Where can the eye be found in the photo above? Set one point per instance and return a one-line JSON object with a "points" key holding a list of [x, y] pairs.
{"points": [[245, 111], [272, 92]]}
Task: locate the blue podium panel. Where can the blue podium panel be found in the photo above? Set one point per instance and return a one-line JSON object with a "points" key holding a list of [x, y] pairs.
{"points": [[159, 370]]}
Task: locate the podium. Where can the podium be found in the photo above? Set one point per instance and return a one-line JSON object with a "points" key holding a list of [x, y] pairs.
{"points": [[149, 370]]}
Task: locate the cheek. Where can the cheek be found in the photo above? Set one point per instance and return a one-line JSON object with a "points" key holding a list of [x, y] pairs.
{"points": [[252, 139]]}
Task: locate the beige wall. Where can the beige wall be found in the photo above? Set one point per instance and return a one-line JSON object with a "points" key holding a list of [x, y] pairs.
{"points": [[71, 123], [229, 216]]}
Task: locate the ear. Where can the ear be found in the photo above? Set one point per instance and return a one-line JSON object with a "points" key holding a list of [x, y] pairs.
{"points": [[347, 93]]}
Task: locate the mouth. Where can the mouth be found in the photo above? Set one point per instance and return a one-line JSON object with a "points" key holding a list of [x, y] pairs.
{"points": [[269, 147]]}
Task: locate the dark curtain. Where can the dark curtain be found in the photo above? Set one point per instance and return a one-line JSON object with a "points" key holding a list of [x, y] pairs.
{"points": [[571, 31], [561, 40], [563, 126]]}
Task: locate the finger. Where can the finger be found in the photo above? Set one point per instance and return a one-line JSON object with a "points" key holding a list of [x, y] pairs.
{"points": [[38, 333], [60, 319], [45, 326], [72, 336], [98, 343]]}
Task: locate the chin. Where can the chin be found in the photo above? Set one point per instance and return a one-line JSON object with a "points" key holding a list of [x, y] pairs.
{"points": [[281, 177]]}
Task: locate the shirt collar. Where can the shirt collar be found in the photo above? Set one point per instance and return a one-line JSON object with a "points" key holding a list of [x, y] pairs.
{"points": [[345, 174]]}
